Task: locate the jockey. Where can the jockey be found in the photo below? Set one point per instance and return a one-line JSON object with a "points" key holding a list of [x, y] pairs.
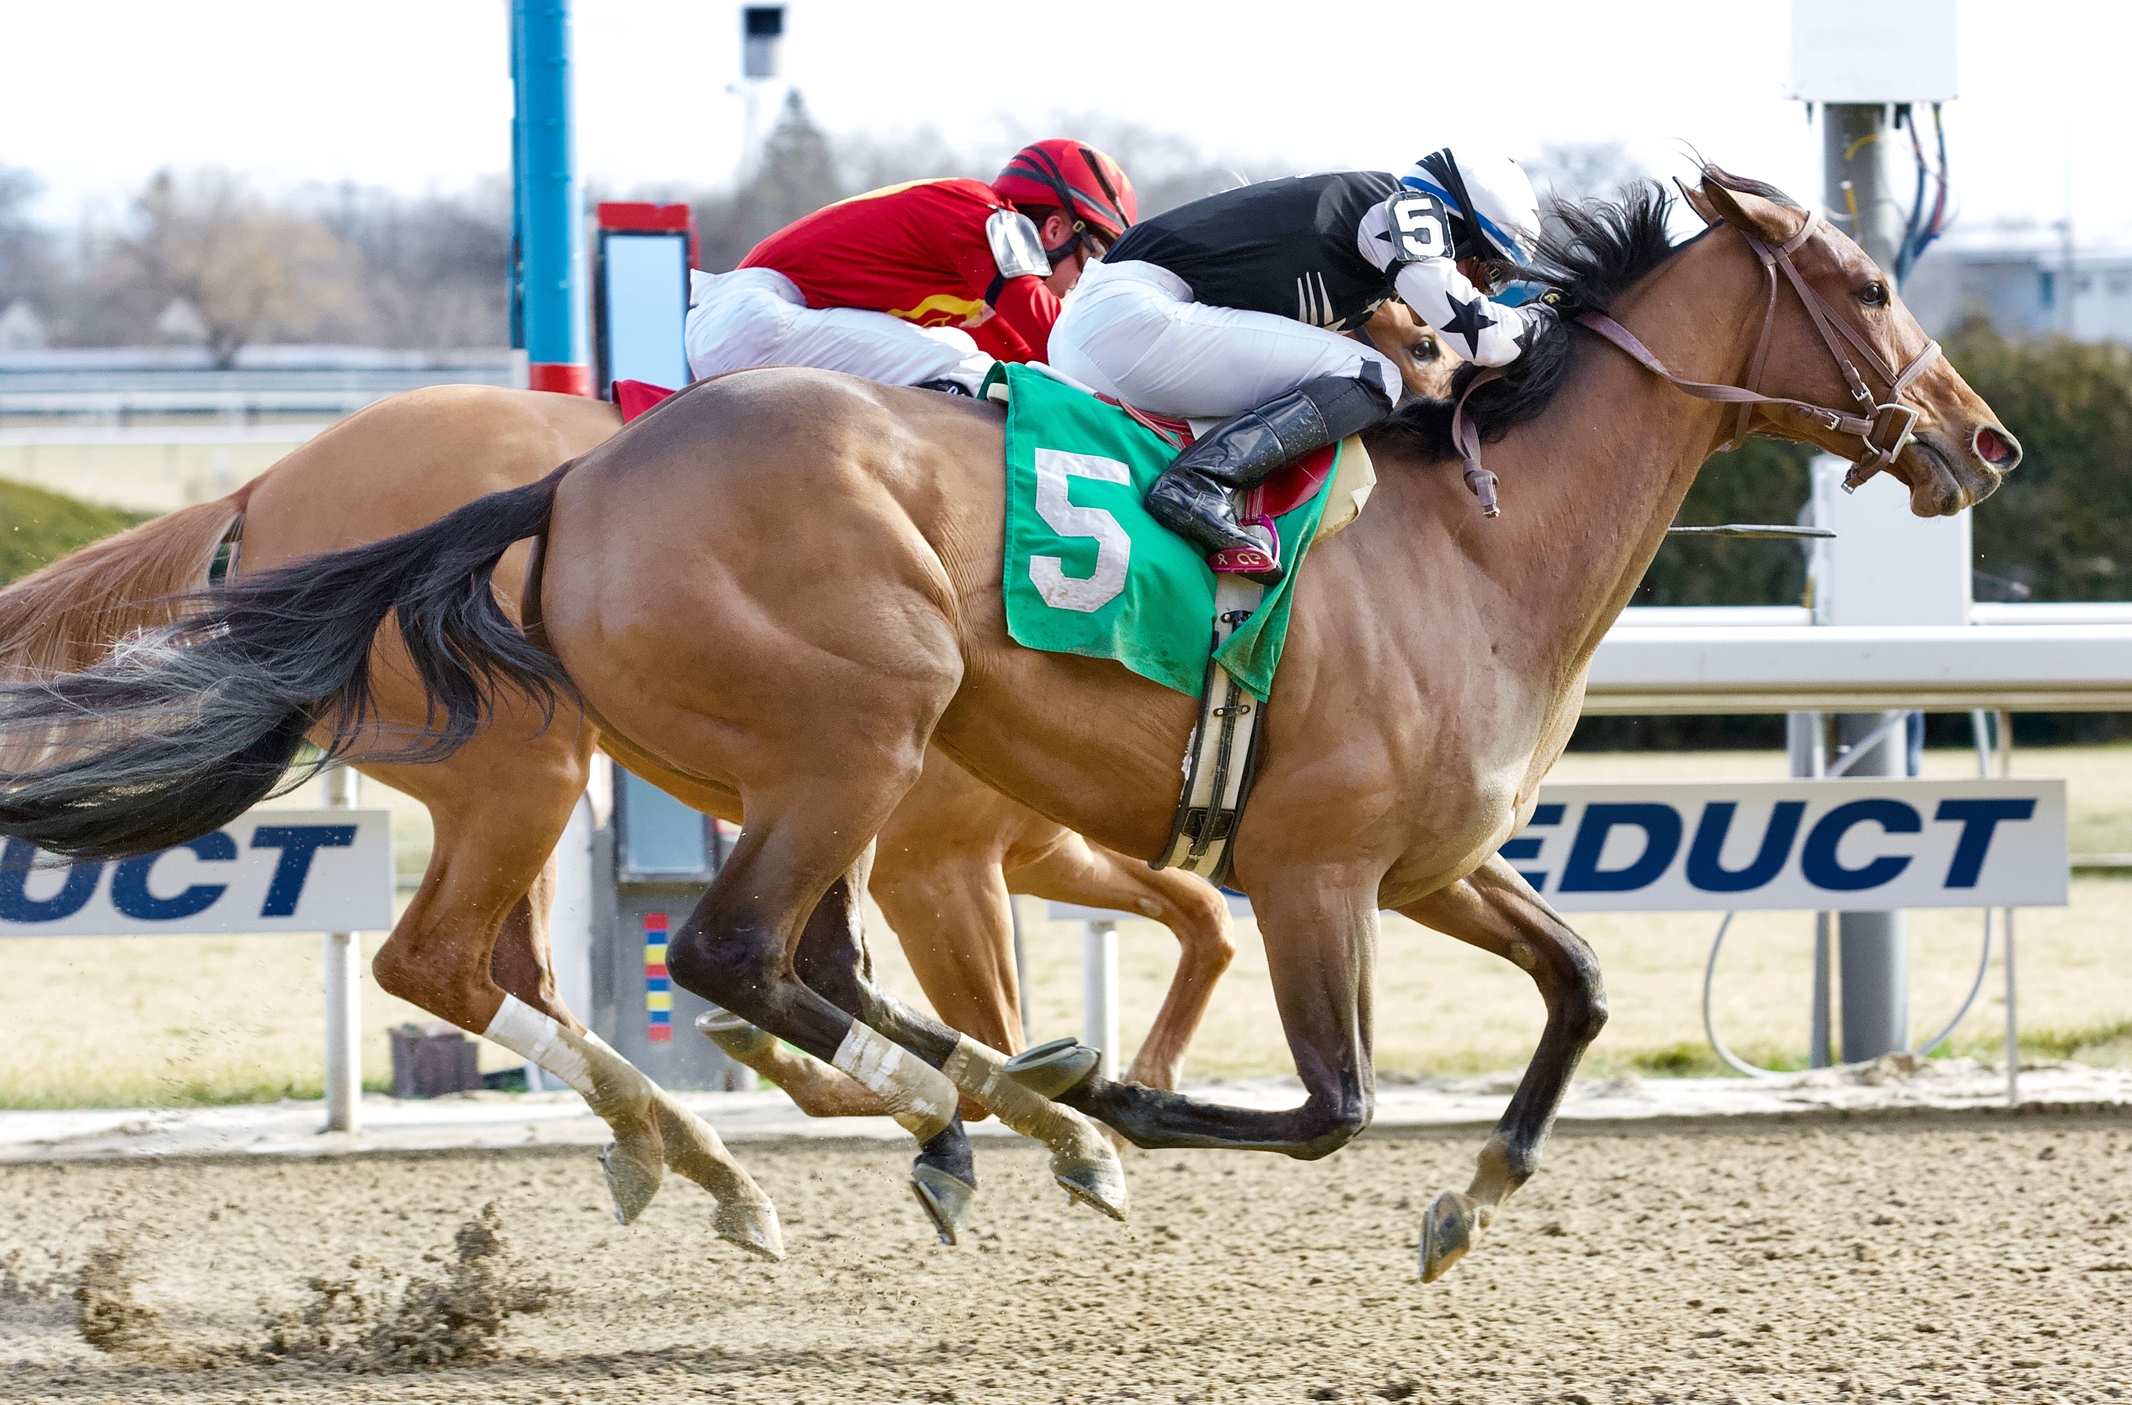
{"points": [[1232, 308], [925, 283]]}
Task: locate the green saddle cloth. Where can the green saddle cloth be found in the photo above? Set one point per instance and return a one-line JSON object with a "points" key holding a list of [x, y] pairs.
{"points": [[1088, 571]]}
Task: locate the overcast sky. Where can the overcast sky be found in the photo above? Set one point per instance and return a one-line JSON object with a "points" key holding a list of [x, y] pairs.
{"points": [[414, 94]]}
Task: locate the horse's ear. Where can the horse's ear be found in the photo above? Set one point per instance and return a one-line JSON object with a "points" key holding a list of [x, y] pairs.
{"points": [[1697, 201], [1751, 214]]}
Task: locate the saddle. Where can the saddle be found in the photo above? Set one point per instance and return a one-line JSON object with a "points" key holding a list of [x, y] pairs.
{"points": [[1353, 479]]}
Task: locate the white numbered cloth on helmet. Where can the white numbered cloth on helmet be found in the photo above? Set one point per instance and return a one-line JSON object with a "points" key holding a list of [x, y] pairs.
{"points": [[1131, 330], [756, 317]]}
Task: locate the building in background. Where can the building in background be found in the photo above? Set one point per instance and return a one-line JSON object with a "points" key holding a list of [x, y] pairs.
{"points": [[2027, 283]]}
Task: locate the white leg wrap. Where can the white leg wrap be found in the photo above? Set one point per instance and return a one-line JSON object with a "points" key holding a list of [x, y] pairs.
{"points": [[915, 1093], [1082, 1160], [612, 1087], [610, 1083], [981, 1072]]}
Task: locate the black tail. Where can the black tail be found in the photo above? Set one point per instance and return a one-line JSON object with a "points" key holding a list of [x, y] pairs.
{"points": [[185, 727]]}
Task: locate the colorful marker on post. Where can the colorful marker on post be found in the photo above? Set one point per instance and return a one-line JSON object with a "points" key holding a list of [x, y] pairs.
{"points": [[658, 989]]}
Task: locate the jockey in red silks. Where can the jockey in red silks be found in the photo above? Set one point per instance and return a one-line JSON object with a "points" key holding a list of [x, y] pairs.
{"points": [[926, 283]]}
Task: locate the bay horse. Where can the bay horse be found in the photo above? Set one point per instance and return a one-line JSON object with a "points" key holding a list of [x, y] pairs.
{"points": [[784, 585], [949, 858]]}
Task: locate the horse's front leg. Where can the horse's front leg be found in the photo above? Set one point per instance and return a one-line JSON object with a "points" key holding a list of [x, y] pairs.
{"points": [[1321, 951], [1496, 910], [833, 960]]}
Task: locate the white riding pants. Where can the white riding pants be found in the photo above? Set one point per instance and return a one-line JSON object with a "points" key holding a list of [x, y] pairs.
{"points": [[756, 317], [1133, 331]]}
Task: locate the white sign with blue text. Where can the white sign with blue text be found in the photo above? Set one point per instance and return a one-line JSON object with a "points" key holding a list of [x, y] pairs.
{"points": [[270, 871], [1817, 845]]}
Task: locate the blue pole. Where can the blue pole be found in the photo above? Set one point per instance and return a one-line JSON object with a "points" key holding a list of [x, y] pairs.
{"points": [[549, 205]]}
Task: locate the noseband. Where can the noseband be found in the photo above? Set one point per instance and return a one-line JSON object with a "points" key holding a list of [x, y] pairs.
{"points": [[1884, 428]]}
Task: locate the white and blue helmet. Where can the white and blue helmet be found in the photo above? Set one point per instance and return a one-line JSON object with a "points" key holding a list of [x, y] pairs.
{"points": [[1490, 193]]}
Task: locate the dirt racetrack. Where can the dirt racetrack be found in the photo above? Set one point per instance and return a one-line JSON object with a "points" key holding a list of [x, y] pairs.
{"points": [[1984, 1260]]}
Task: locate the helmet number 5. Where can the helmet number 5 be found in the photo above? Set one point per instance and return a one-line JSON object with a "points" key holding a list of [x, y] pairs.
{"points": [[1419, 220], [1114, 548]]}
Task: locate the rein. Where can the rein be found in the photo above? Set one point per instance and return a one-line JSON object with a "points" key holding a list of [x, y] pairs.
{"points": [[1884, 428]]}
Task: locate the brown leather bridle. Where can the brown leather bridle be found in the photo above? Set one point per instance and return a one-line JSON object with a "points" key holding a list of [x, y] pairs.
{"points": [[1884, 428]]}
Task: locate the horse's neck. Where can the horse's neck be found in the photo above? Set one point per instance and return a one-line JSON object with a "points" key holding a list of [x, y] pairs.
{"points": [[1588, 487]]}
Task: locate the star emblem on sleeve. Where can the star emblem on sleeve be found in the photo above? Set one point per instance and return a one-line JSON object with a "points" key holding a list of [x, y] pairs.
{"points": [[1468, 320]]}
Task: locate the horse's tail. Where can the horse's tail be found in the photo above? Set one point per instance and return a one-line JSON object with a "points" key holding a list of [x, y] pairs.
{"points": [[67, 615], [188, 724]]}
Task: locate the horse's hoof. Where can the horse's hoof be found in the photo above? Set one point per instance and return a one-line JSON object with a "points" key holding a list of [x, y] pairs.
{"points": [[1097, 1183], [751, 1225], [945, 1200], [732, 1034], [1055, 1067], [634, 1165], [1451, 1227]]}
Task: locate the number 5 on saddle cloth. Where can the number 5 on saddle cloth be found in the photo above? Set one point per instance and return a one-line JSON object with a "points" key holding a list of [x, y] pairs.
{"points": [[1089, 572]]}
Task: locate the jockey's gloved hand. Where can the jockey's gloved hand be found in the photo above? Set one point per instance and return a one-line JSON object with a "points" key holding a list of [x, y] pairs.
{"points": [[1541, 320]]}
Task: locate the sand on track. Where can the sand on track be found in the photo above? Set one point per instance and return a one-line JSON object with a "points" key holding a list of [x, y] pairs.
{"points": [[1985, 1260]]}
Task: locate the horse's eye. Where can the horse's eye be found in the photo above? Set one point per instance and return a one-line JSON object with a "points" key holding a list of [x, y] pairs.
{"points": [[1874, 294]]}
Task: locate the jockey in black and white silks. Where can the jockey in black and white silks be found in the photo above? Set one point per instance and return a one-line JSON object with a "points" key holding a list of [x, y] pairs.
{"points": [[1234, 307]]}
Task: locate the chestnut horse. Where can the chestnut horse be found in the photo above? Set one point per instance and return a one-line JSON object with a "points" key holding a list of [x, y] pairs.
{"points": [[783, 585]]}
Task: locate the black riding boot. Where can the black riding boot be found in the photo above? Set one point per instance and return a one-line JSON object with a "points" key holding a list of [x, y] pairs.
{"points": [[1194, 497]]}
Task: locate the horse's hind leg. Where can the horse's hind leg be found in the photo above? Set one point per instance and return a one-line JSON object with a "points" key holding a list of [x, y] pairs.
{"points": [[737, 950], [485, 859], [833, 959], [1495, 910], [1080, 872], [522, 964]]}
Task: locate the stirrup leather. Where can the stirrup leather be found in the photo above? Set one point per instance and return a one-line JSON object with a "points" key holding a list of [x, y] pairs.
{"points": [[1220, 759]]}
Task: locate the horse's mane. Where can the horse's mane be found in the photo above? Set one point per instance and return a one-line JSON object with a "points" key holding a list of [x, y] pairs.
{"points": [[1591, 252]]}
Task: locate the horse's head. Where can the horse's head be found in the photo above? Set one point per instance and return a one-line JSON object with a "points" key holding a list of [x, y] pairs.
{"points": [[1425, 363], [1957, 452]]}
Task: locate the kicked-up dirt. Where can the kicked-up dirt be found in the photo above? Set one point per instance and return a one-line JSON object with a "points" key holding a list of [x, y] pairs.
{"points": [[1986, 1260]]}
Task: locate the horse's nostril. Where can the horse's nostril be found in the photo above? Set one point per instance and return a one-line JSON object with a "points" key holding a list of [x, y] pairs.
{"points": [[1996, 447]]}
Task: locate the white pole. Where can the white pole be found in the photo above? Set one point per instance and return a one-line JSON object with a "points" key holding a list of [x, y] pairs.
{"points": [[344, 992], [2013, 1033], [1099, 991], [2005, 729]]}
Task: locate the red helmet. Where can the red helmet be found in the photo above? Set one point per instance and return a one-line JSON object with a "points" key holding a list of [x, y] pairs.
{"points": [[1077, 178]]}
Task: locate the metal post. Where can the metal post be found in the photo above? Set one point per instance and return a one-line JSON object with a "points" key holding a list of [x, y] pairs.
{"points": [[549, 209], [1873, 948], [1099, 991], [2005, 729], [343, 954], [1806, 739], [1854, 150]]}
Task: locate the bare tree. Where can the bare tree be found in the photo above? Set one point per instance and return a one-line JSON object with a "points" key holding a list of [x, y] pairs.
{"points": [[428, 272], [250, 269], [27, 269]]}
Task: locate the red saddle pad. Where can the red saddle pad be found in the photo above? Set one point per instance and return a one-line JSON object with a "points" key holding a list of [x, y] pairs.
{"points": [[633, 398]]}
